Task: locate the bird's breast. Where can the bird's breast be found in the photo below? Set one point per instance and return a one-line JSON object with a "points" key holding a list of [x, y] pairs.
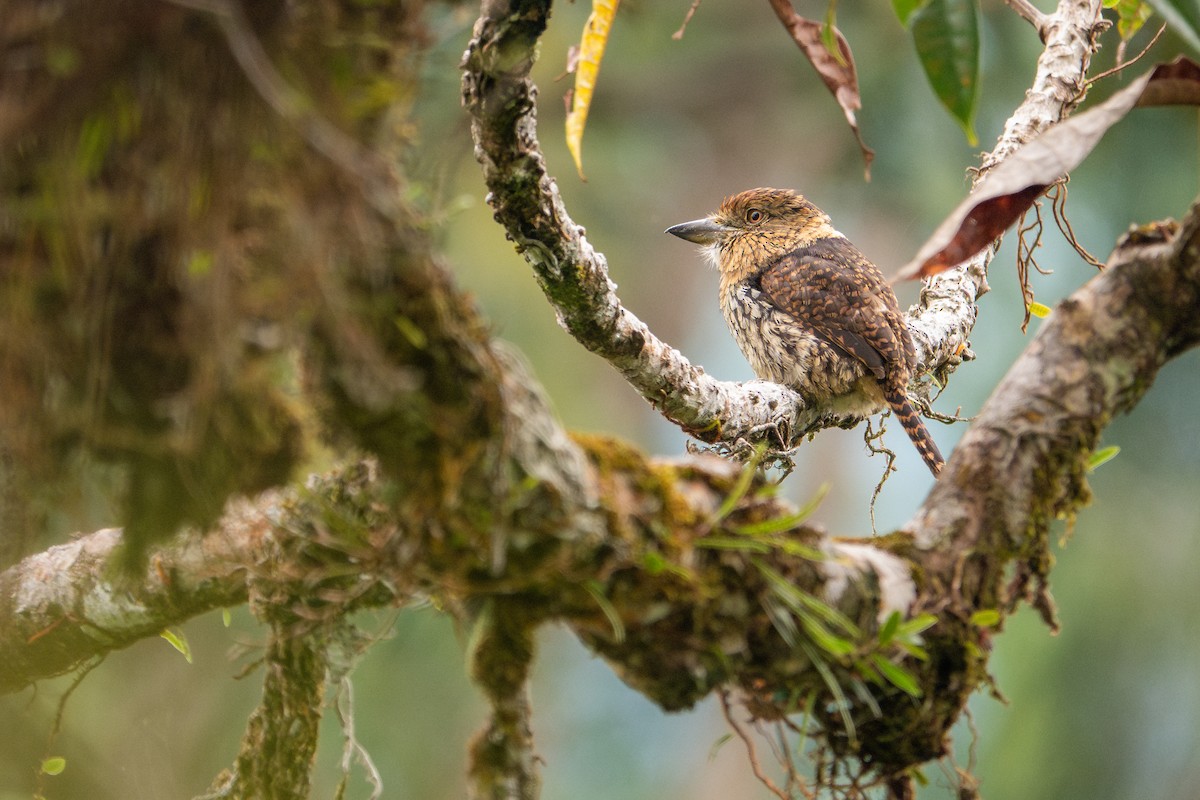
{"points": [[781, 349]]}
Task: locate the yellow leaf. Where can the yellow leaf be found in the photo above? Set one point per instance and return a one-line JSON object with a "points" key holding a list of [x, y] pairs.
{"points": [[591, 51]]}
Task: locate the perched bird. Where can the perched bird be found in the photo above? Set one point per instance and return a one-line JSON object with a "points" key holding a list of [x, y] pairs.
{"points": [[808, 309]]}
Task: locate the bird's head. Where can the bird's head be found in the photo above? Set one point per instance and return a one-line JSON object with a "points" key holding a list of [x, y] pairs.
{"points": [[753, 229]]}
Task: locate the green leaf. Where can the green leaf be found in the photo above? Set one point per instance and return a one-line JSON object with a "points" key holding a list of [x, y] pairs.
{"points": [[1184, 18], [914, 650], [829, 34], [733, 543], [897, 675], [986, 618], [53, 765], [199, 263], [653, 562], [888, 631], [1102, 456], [906, 8], [836, 646], [179, 642], [805, 604], [717, 745], [1038, 310], [741, 486], [595, 589], [839, 697], [946, 34], [916, 626], [1131, 15], [787, 522], [226, 617]]}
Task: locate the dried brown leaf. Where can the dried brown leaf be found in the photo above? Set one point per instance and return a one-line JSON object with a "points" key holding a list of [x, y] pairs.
{"points": [[836, 69], [1006, 192]]}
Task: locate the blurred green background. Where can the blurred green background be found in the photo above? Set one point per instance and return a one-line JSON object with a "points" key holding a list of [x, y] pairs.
{"points": [[1107, 710]]}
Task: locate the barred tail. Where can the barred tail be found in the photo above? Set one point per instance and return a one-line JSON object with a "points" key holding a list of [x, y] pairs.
{"points": [[915, 428]]}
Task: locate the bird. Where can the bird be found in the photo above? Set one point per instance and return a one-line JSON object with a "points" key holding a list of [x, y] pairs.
{"points": [[809, 310]]}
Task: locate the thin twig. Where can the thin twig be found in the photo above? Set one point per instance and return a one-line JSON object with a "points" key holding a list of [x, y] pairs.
{"points": [[677, 35], [1027, 11], [1130, 62], [873, 441], [751, 752], [1058, 208], [60, 711]]}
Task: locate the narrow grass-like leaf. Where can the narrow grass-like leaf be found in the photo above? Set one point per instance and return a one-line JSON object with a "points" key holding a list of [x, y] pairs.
{"points": [[802, 602], [915, 626], [863, 693], [890, 626], [717, 745], [608, 609], [897, 675], [783, 622], [733, 543], [839, 696], [786, 522], [831, 643], [741, 486]]}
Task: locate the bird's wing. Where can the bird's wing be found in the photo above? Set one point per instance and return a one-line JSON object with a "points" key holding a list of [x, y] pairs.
{"points": [[832, 289]]}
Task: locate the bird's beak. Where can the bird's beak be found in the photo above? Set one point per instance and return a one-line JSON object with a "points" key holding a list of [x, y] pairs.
{"points": [[699, 231]]}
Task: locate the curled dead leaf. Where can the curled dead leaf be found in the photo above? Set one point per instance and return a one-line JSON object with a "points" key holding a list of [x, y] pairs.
{"points": [[836, 68], [1007, 191]]}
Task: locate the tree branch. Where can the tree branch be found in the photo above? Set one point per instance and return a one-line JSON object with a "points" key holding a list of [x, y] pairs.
{"points": [[501, 99], [1023, 463]]}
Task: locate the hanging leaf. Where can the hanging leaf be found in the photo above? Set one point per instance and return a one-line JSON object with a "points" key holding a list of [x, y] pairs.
{"points": [[1131, 15], [1102, 456], [946, 34], [591, 52], [53, 765], [1004, 193], [905, 9], [829, 53], [179, 642], [1183, 16]]}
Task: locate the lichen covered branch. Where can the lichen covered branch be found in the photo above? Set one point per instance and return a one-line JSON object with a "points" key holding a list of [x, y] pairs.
{"points": [[502, 101]]}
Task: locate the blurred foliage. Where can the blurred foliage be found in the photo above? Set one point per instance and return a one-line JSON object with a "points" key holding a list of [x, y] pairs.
{"points": [[1106, 711]]}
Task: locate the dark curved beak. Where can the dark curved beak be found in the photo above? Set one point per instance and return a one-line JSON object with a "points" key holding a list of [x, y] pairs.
{"points": [[698, 231]]}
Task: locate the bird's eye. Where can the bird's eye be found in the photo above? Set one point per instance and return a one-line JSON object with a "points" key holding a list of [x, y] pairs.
{"points": [[755, 215]]}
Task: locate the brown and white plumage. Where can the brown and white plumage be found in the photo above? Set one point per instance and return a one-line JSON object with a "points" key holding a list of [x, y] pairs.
{"points": [[808, 309]]}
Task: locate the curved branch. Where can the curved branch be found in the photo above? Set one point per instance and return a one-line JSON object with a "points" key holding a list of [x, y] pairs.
{"points": [[502, 100]]}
